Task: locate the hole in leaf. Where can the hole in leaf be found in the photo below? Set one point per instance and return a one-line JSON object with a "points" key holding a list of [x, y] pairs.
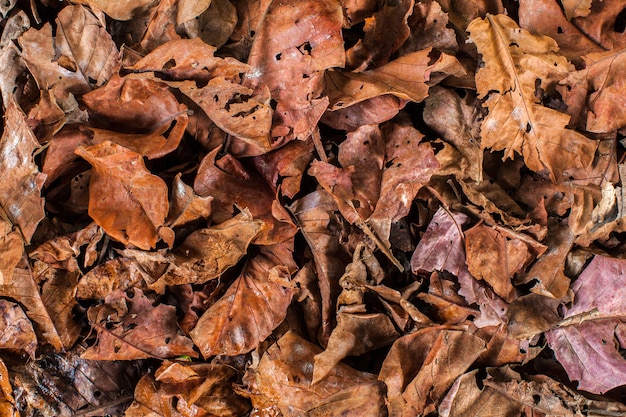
{"points": [[559, 29], [305, 48], [169, 64], [278, 56]]}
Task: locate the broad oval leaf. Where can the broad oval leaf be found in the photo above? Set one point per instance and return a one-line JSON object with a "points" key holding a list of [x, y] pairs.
{"points": [[128, 202], [254, 305]]}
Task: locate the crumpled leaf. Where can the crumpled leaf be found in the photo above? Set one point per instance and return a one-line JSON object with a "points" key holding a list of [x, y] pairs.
{"points": [[206, 253], [57, 295], [230, 185], [194, 389], [282, 380], [548, 17], [120, 9], [128, 202], [593, 94], [215, 25], [134, 328], [355, 334], [137, 106], [587, 340], [317, 215], [506, 391], [382, 196], [16, 331], [24, 290], [517, 122], [497, 257], [117, 273], [186, 206], [549, 268], [438, 356], [602, 25], [20, 189], [235, 109], [252, 307], [456, 119], [80, 57], [576, 8], [429, 28], [294, 44], [12, 249]]}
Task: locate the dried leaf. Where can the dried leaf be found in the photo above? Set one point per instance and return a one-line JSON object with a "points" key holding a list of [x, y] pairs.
{"points": [[517, 122], [20, 190], [586, 342], [80, 57], [17, 333], [114, 274], [134, 328], [354, 335], [294, 44], [438, 356], [120, 9], [128, 202], [283, 379], [206, 253], [230, 185], [254, 305], [187, 206]]}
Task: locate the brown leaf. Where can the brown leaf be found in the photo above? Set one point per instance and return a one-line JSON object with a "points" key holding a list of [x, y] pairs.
{"points": [[236, 110], [114, 274], [595, 91], [429, 28], [602, 23], [321, 226], [80, 57], [456, 119], [497, 258], [128, 202], [188, 59], [57, 295], [548, 17], [384, 33], [195, 389], [354, 335], [187, 206], [13, 64], [215, 25], [132, 327], [189, 9], [230, 184], [438, 356], [284, 167], [138, 106], [283, 379], [120, 9], [20, 189], [17, 332], [549, 268], [517, 122], [254, 305], [294, 44], [25, 291], [12, 249], [373, 111], [206, 253]]}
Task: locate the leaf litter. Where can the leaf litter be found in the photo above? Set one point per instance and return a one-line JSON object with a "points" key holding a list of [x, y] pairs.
{"points": [[312, 208]]}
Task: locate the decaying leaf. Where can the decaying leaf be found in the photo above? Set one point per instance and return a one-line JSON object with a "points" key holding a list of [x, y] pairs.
{"points": [[587, 340], [295, 43], [16, 330], [80, 57], [288, 364], [20, 189], [134, 328], [516, 64]]}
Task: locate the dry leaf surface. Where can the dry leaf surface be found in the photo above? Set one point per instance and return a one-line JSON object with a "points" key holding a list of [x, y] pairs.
{"points": [[312, 208]]}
